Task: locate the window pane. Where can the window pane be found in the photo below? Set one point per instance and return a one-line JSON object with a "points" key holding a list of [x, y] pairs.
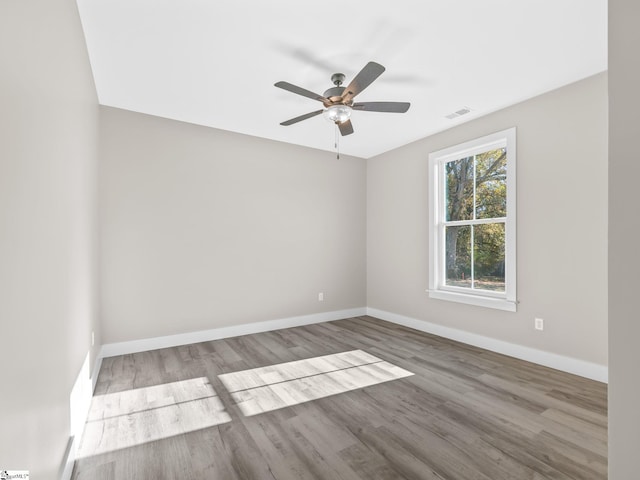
{"points": [[491, 184], [459, 189], [488, 253], [458, 256]]}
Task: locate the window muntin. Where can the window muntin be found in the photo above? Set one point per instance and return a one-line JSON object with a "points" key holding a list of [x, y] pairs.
{"points": [[472, 247]]}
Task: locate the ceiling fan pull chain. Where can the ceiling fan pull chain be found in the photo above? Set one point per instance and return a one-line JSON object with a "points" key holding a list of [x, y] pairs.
{"points": [[337, 143]]}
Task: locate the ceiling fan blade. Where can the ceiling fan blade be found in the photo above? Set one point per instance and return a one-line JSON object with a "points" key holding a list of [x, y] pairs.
{"points": [[301, 91], [362, 80], [301, 117], [346, 128], [393, 107]]}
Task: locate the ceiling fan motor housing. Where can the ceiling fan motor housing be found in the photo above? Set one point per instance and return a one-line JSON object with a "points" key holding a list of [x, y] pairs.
{"points": [[334, 94]]}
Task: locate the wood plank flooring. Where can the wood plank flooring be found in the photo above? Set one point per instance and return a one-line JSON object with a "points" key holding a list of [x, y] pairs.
{"points": [[456, 413]]}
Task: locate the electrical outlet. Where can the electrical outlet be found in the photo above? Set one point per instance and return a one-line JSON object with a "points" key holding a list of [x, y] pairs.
{"points": [[321, 297], [538, 323]]}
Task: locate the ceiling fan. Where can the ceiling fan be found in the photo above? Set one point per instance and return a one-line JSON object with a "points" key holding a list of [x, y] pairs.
{"points": [[338, 100]]}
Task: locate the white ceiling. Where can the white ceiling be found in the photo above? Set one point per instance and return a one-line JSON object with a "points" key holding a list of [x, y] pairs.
{"points": [[214, 62]]}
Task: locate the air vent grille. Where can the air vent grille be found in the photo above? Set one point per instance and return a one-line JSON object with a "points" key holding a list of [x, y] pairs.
{"points": [[458, 113]]}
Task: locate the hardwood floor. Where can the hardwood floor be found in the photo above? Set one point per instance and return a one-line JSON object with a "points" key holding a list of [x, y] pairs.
{"points": [[448, 411]]}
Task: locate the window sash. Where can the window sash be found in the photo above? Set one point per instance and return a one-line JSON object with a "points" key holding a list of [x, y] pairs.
{"points": [[442, 280]]}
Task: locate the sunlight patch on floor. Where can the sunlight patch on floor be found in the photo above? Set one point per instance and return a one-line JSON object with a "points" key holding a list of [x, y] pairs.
{"points": [[141, 415], [269, 388]]}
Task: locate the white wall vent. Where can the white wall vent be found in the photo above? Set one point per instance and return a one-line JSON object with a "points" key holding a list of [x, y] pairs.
{"points": [[458, 113]]}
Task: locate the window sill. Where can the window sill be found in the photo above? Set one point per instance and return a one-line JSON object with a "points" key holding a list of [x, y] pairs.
{"points": [[477, 300]]}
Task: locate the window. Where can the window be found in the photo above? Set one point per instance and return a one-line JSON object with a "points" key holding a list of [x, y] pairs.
{"points": [[472, 250]]}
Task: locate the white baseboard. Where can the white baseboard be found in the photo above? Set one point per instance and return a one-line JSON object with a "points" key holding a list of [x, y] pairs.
{"points": [[575, 366], [69, 459], [74, 441], [144, 345], [559, 362]]}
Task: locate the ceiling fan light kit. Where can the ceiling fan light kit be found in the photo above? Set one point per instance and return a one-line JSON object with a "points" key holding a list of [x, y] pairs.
{"points": [[338, 100], [338, 113]]}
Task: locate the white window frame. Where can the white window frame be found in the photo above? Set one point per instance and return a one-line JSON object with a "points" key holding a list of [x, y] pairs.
{"points": [[437, 288]]}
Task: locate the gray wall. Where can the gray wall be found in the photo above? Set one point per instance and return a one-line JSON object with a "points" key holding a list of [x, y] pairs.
{"points": [[202, 228], [624, 232], [48, 156], [561, 226]]}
